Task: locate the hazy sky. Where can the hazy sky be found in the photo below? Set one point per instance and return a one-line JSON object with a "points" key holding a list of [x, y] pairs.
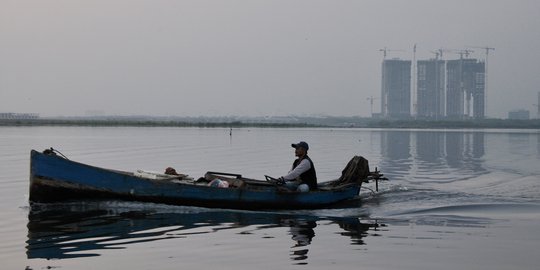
{"points": [[248, 57]]}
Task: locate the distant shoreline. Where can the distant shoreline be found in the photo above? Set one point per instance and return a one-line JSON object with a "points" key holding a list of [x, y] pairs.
{"points": [[142, 123], [330, 122]]}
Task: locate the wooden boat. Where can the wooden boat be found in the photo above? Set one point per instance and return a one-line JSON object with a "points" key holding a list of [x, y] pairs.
{"points": [[54, 177]]}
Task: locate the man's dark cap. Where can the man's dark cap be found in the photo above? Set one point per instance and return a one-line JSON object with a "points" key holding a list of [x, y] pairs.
{"points": [[301, 144]]}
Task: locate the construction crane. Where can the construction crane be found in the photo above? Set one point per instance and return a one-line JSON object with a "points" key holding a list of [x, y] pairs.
{"points": [[467, 52], [385, 50], [462, 53], [439, 53], [371, 99], [485, 48]]}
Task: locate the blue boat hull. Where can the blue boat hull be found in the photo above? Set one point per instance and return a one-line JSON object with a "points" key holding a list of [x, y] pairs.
{"points": [[53, 178]]}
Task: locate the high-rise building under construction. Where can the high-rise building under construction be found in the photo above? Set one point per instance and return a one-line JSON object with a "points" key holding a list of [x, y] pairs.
{"points": [[450, 89], [396, 88], [430, 94], [538, 107], [465, 89]]}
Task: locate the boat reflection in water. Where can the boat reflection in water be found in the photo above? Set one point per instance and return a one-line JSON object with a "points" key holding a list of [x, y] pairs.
{"points": [[85, 229], [302, 232]]}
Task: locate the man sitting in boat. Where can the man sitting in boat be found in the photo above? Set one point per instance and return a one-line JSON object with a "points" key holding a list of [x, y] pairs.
{"points": [[302, 176]]}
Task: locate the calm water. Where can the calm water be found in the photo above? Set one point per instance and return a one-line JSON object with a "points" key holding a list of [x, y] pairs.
{"points": [[456, 199]]}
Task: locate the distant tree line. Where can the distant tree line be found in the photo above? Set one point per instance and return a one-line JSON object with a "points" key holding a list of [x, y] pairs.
{"points": [[145, 123], [334, 122]]}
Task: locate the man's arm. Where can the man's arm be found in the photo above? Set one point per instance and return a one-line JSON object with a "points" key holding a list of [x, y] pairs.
{"points": [[303, 167]]}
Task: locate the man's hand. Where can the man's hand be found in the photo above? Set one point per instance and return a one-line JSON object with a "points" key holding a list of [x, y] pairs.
{"points": [[281, 181]]}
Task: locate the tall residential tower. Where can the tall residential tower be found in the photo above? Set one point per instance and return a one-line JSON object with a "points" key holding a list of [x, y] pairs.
{"points": [[465, 89], [430, 89], [396, 89]]}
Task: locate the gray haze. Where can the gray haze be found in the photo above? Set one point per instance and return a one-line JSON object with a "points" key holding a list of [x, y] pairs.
{"points": [[248, 57]]}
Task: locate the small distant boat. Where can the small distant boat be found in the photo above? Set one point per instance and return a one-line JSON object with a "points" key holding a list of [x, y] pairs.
{"points": [[53, 178]]}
